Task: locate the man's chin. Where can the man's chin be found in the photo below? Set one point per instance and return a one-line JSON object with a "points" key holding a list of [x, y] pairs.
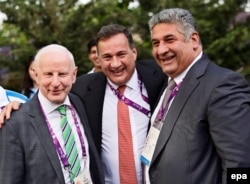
{"points": [[119, 80], [57, 99]]}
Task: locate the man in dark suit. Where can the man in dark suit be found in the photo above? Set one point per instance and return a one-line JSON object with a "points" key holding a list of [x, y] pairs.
{"points": [[32, 143], [98, 92], [117, 54], [205, 126]]}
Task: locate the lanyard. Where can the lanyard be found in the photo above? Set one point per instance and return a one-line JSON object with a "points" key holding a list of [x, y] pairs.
{"points": [[140, 85], [130, 102], [62, 155], [162, 109]]}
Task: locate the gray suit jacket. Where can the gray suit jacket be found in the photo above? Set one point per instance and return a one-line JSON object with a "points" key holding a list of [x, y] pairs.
{"points": [[207, 129], [91, 89], [27, 153]]}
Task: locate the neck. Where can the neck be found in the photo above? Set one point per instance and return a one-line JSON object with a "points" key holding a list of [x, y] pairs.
{"points": [[97, 69]]}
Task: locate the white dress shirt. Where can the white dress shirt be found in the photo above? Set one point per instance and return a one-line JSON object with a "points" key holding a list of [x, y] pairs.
{"points": [[54, 118], [91, 71], [3, 98], [139, 124]]}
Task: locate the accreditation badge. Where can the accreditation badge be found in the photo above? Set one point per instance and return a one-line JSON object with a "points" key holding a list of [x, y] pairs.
{"points": [[151, 140], [83, 178]]}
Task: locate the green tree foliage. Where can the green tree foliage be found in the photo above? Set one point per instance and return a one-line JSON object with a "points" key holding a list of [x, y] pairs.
{"points": [[32, 24], [224, 39]]}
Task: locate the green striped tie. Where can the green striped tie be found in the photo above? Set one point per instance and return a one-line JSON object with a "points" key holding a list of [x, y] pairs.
{"points": [[69, 143]]}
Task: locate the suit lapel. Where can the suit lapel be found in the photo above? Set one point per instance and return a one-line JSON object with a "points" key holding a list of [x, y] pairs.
{"points": [[150, 79], [189, 84], [78, 106], [94, 99], [172, 116], [39, 124]]}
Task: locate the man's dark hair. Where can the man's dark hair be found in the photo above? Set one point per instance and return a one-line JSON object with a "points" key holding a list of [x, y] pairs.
{"points": [[114, 29], [91, 44]]}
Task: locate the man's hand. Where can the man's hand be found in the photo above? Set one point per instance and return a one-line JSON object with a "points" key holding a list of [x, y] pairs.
{"points": [[6, 112]]}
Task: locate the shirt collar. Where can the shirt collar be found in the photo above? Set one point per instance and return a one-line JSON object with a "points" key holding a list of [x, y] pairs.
{"points": [[132, 83], [48, 106], [180, 77]]}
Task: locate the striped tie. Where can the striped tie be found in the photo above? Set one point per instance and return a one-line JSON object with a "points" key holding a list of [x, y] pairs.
{"points": [[69, 143]]}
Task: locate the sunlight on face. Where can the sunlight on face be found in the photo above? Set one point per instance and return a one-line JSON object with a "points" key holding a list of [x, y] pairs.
{"points": [[56, 73], [170, 49], [117, 58]]}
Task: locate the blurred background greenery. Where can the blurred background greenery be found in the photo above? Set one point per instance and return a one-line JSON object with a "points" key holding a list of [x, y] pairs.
{"points": [[224, 27]]}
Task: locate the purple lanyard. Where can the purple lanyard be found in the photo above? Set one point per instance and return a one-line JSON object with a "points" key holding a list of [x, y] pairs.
{"points": [[162, 109], [62, 155], [142, 95], [130, 102]]}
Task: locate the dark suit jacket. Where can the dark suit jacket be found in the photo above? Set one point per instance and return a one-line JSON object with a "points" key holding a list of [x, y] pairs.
{"points": [[91, 89], [28, 154], [207, 129]]}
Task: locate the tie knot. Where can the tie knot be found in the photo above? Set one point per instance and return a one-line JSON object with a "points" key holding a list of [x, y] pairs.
{"points": [[171, 84], [121, 89], [62, 110]]}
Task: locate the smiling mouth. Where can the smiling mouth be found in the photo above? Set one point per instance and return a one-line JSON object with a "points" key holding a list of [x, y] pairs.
{"points": [[117, 72], [56, 92], [166, 59]]}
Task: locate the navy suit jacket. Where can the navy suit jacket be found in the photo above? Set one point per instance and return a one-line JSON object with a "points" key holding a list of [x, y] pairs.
{"points": [[91, 89], [207, 128], [28, 154]]}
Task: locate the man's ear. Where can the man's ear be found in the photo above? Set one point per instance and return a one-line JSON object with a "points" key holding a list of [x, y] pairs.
{"points": [[36, 77], [195, 40], [75, 74]]}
